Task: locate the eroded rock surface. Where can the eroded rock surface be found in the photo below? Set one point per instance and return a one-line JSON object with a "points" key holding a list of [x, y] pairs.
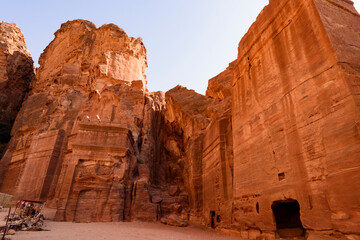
{"points": [[281, 154], [220, 85], [16, 72], [199, 139], [295, 118], [86, 129], [272, 147]]}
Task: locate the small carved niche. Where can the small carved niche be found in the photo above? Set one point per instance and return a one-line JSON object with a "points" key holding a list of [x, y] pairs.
{"points": [[281, 176]]}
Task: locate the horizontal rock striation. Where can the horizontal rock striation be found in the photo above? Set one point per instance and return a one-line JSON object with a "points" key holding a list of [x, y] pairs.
{"points": [[295, 117], [272, 150]]}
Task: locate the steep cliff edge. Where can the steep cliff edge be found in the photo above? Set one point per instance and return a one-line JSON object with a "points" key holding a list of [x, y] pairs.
{"points": [[220, 85], [295, 118], [199, 140], [83, 139], [271, 151], [283, 158], [16, 72]]}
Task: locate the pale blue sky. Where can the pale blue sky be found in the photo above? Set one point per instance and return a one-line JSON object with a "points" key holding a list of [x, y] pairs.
{"points": [[188, 41]]}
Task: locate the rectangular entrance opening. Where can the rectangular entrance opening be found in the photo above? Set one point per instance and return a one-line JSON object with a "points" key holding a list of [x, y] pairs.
{"points": [[287, 218]]}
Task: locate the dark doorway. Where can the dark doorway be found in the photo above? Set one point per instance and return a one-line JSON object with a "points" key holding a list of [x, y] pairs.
{"points": [[287, 218], [212, 217]]}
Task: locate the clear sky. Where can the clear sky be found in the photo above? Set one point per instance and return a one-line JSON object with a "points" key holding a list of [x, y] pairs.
{"points": [[188, 41]]}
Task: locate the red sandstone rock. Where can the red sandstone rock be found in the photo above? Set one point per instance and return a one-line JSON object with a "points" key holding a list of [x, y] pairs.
{"points": [[83, 128], [190, 110], [220, 85], [205, 147], [286, 92], [295, 114], [280, 154], [16, 72], [217, 169], [174, 220]]}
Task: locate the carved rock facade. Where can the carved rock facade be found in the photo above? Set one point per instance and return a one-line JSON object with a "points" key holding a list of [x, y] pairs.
{"points": [[85, 133], [296, 117], [273, 146]]}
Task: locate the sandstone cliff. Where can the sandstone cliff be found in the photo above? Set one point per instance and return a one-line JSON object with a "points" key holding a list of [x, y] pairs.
{"points": [[273, 147], [285, 158], [86, 128], [220, 85], [16, 72], [295, 113], [202, 146]]}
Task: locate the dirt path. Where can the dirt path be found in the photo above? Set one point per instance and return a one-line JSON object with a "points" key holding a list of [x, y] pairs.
{"points": [[118, 231], [115, 231]]}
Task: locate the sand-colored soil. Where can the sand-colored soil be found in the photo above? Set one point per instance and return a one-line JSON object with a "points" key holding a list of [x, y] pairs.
{"points": [[116, 231]]}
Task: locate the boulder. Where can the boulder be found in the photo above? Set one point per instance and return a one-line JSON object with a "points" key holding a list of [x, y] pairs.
{"points": [[174, 220]]}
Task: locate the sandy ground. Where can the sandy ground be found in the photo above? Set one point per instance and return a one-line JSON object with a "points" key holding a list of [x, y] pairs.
{"points": [[114, 231]]}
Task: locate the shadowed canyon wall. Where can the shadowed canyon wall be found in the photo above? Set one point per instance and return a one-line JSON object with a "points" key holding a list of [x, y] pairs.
{"points": [[16, 72], [273, 145]]}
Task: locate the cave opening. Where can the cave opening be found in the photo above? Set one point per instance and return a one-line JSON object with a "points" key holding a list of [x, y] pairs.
{"points": [[287, 218], [212, 218]]}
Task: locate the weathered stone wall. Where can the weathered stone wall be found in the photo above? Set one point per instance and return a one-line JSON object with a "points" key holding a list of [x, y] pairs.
{"points": [[295, 116], [217, 177], [85, 129], [98, 166], [199, 140], [220, 85], [279, 126], [16, 72], [342, 25], [43, 154]]}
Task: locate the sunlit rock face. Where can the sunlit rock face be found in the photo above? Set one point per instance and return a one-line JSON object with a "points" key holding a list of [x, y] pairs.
{"points": [[220, 85], [84, 136], [295, 115], [16, 72], [93, 58], [273, 146]]}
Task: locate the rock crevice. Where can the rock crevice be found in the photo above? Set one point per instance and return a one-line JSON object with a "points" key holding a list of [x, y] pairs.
{"points": [[270, 151]]}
